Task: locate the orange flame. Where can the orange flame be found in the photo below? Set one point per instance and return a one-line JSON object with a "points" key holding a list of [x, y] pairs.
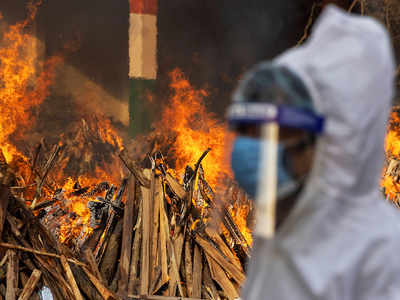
{"points": [[22, 89], [239, 214], [17, 71], [392, 143], [24, 85], [196, 130], [392, 149], [104, 171], [73, 228]]}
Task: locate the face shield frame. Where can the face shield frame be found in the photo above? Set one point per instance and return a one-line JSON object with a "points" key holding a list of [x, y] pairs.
{"points": [[270, 117], [255, 113]]}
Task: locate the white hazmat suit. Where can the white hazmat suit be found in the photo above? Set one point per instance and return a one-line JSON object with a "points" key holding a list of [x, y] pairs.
{"points": [[342, 240]]}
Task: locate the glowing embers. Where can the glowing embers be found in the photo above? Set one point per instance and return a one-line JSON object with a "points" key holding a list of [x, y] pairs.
{"points": [[84, 170]]}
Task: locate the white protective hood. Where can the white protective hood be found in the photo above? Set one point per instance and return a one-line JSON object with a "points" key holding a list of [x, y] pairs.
{"points": [[342, 239]]}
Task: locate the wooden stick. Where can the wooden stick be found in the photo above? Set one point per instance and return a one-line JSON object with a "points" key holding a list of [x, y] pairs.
{"points": [[71, 278], [222, 246], [197, 272], [308, 25], [178, 246], [174, 267], [17, 247], [235, 232], [47, 167], [44, 204], [158, 197], [188, 268], [136, 248], [30, 285], [156, 283], [227, 265], [107, 294], [112, 221], [109, 264], [35, 158], [266, 198], [4, 198], [154, 297], [127, 231], [164, 234], [92, 263], [208, 283], [12, 275], [58, 282], [4, 259], [146, 217], [175, 186], [220, 277], [134, 169]]}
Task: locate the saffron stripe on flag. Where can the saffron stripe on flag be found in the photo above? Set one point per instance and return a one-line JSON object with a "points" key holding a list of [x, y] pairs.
{"points": [[143, 46], [148, 7]]}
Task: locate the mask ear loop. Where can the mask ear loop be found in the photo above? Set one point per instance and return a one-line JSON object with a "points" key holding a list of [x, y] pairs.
{"points": [[267, 186]]}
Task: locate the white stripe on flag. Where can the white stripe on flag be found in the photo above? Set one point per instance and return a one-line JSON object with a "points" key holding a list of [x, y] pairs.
{"points": [[143, 46]]}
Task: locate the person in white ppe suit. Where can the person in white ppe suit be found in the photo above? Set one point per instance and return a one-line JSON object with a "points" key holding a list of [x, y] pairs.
{"points": [[337, 239]]}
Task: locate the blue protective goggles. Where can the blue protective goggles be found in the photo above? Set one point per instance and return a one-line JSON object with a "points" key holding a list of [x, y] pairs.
{"points": [[284, 115]]}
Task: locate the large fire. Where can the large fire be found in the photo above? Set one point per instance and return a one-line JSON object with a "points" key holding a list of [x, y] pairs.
{"points": [[196, 130], [25, 83], [83, 158], [18, 69]]}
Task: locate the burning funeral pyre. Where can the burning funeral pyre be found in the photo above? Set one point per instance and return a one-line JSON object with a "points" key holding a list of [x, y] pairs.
{"points": [[164, 240], [79, 215], [391, 174]]}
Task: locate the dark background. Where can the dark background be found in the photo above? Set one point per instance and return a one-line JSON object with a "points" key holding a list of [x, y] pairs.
{"points": [[214, 42]]}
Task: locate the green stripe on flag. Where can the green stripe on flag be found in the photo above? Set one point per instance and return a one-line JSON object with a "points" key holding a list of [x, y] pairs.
{"points": [[140, 113]]}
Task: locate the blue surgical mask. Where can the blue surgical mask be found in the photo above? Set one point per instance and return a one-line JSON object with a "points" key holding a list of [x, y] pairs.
{"points": [[246, 163]]}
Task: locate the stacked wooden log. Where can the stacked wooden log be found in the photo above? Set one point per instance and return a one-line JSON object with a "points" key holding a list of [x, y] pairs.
{"points": [[176, 249], [30, 257], [164, 242]]}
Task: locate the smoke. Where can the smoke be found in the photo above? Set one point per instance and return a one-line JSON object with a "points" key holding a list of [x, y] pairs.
{"points": [[214, 42], [72, 97], [90, 98]]}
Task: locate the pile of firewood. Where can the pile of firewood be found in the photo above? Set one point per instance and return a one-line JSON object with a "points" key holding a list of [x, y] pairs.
{"points": [[392, 170], [164, 242], [392, 162], [176, 248], [30, 256]]}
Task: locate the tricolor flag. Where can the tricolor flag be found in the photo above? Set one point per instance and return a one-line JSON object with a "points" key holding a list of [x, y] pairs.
{"points": [[142, 61]]}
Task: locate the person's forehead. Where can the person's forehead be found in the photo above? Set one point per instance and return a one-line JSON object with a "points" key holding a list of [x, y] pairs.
{"points": [[290, 132], [284, 132]]}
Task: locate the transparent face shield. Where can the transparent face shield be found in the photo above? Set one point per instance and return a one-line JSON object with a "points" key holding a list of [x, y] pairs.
{"points": [[269, 118]]}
